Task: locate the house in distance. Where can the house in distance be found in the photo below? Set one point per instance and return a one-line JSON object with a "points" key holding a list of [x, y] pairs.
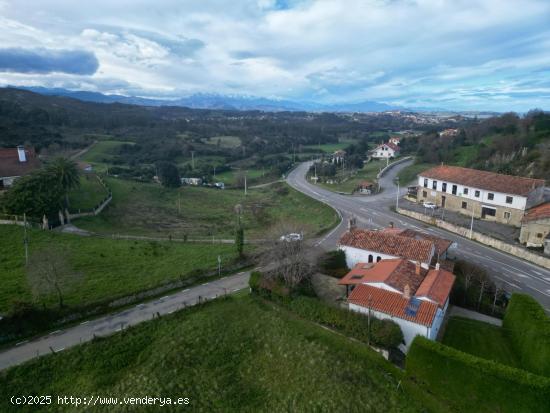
{"points": [[16, 162]]}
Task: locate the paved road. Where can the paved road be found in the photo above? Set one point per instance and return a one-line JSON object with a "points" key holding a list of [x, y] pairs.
{"points": [[103, 326], [374, 212]]}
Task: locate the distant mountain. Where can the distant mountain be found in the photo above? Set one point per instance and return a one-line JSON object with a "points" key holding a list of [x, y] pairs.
{"points": [[218, 101]]}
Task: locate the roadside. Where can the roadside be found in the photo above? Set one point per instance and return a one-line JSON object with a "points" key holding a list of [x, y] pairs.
{"points": [[109, 324]]}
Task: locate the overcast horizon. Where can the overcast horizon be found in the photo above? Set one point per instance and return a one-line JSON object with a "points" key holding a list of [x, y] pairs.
{"points": [[457, 55]]}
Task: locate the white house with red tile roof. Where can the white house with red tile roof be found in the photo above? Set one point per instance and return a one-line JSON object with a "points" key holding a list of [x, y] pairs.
{"points": [[396, 140], [415, 298], [16, 162], [361, 245], [385, 151], [483, 194]]}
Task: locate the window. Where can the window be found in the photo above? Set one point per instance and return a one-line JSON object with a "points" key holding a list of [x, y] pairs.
{"points": [[464, 205], [371, 258], [444, 187], [454, 189], [490, 196], [465, 191], [378, 259], [477, 194], [434, 185], [506, 215], [424, 194], [539, 235], [509, 199], [425, 182]]}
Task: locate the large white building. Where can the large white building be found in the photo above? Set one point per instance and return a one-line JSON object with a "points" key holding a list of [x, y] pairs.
{"points": [[385, 151], [485, 195], [396, 289]]}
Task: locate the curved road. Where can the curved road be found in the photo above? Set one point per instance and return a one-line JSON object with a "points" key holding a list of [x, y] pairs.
{"points": [[374, 212]]}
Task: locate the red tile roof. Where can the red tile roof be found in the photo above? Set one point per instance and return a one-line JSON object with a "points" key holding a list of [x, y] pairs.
{"points": [[539, 212], [390, 244], [389, 145], [395, 273], [441, 244], [391, 303], [10, 165], [436, 286], [491, 181]]}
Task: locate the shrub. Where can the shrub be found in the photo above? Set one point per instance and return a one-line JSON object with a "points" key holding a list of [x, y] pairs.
{"points": [[528, 327], [334, 263], [469, 383]]}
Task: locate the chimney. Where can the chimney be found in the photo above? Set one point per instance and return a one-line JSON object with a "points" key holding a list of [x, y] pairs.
{"points": [[407, 291], [21, 154], [437, 266], [417, 269]]}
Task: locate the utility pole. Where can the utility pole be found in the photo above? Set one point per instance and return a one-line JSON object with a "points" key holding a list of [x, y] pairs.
{"points": [[25, 239], [179, 202], [472, 221], [192, 160], [368, 321], [219, 266], [397, 196], [245, 189], [214, 172]]}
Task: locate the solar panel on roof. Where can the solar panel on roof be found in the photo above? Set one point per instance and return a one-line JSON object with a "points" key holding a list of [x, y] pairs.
{"points": [[412, 306]]}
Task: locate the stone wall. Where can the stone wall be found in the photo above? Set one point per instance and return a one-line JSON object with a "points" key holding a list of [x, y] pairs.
{"points": [[476, 236], [391, 165], [530, 231]]}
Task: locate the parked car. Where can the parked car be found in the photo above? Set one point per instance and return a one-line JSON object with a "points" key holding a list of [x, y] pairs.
{"points": [[292, 237], [429, 205]]}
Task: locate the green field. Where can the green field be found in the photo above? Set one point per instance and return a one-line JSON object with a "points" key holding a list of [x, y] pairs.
{"points": [[88, 195], [331, 147], [150, 209], [102, 154], [480, 339], [408, 175], [109, 268], [350, 181], [230, 177], [224, 141], [233, 355]]}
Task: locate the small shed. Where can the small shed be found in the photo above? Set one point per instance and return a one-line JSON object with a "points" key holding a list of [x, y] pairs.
{"points": [[366, 188]]}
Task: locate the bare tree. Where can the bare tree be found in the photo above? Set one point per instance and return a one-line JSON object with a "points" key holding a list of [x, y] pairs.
{"points": [[49, 273], [469, 271], [286, 255], [484, 282], [498, 290]]}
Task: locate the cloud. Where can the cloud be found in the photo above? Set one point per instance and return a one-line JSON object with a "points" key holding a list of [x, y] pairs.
{"points": [[76, 62]]}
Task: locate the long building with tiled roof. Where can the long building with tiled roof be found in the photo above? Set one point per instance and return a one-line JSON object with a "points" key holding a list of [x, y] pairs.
{"points": [[361, 245], [16, 162], [535, 226], [486, 195]]}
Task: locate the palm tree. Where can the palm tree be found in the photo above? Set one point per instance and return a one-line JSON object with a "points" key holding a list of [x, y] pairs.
{"points": [[67, 174]]}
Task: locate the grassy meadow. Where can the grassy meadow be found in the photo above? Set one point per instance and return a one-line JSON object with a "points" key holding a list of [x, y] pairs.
{"points": [[408, 175], [236, 354], [102, 154], [109, 268], [351, 181], [480, 339], [150, 209], [88, 195]]}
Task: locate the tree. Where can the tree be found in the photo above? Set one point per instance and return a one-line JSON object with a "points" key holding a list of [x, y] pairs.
{"points": [[168, 174], [37, 194], [239, 240], [66, 172], [48, 272]]}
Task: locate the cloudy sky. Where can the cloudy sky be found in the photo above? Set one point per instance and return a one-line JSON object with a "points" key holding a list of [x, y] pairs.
{"points": [[457, 54]]}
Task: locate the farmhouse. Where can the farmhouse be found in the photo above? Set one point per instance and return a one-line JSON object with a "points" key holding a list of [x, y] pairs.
{"points": [[481, 194], [338, 156], [191, 181], [397, 289], [366, 188], [16, 162], [369, 246], [385, 151], [535, 226]]}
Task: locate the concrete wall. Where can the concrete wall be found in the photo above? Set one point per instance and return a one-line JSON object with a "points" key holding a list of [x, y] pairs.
{"points": [[383, 171], [484, 239], [530, 231], [357, 255]]}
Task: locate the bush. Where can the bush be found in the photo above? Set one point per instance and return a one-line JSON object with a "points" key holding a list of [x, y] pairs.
{"points": [[334, 263], [468, 383], [384, 333], [528, 327]]}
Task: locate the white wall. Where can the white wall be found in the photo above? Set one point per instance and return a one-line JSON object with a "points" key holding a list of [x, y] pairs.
{"points": [[518, 202], [357, 255], [8, 180], [410, 330]]}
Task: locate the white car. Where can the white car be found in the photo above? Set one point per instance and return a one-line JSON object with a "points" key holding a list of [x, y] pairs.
{"points": [[292, 237], [429, 205]]}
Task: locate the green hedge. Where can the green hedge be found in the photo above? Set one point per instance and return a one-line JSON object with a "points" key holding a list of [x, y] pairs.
{"points": [[528, 327], [471, 384]]}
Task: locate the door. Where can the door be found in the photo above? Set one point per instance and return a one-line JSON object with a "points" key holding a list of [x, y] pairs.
{"points": [[443, 199]]}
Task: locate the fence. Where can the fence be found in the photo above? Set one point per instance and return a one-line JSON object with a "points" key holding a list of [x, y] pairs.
{"points": [[391, 165], [100, 207], [479, 237]]}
